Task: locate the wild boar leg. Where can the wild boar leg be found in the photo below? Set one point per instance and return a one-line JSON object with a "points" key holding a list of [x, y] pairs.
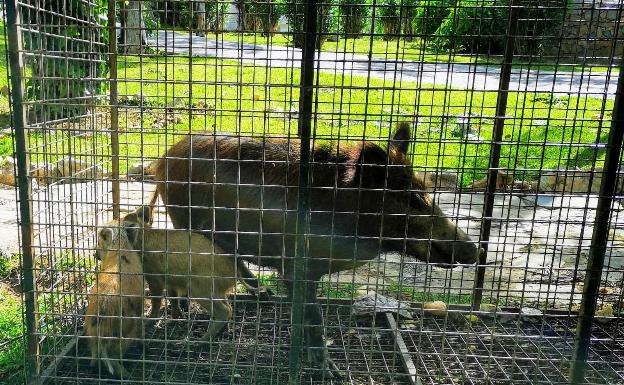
{"points": [[313, 331], [249, 280], [220, 313]]}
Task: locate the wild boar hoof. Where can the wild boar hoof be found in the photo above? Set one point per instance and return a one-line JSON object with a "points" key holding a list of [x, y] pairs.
{"points": [[326, 367]]}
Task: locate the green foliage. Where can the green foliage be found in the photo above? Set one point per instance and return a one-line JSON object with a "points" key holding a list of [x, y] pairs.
{"points": [[481, 25], [259, 15], [473, 25], [397, 18], [353, 16], [338, 290], [215, 15], [326, 21], [11, 354], [175, 14], [430, 14], [67, 78]]}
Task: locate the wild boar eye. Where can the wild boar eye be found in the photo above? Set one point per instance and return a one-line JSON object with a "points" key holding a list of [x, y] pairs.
{"points": [[417, 202]]}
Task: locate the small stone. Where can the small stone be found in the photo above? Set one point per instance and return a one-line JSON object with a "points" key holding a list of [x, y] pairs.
{"points": [[45, 173], [436, 308], [605, 313], [489, 308], [7, 171], [530, 314]]}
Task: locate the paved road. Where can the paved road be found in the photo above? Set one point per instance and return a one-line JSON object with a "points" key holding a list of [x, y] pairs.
{"points": [[460, 76]]}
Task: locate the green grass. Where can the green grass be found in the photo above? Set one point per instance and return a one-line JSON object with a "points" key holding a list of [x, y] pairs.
{"points": [[11, 355], [404, 50], [545, 132], [407, 293]]}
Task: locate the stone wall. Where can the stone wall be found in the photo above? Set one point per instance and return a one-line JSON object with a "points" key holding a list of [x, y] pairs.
{"points": [[589, 31]]}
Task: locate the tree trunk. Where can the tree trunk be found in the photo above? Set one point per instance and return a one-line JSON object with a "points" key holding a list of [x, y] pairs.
{"points": [[135, 35], [200, 18]]}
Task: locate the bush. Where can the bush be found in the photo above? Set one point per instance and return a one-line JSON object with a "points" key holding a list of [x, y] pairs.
{"points": [[397, 18], [326, 21], [353, 14], [481, 25], [430, 14], [259, 16], [473, 25], [65, 81]]}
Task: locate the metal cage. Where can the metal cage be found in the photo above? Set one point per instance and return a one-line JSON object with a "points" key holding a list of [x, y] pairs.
{"points": [[512, 117]]}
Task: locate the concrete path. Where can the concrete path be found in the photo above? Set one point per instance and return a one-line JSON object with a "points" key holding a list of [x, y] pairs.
{"points": [[459, 76]]}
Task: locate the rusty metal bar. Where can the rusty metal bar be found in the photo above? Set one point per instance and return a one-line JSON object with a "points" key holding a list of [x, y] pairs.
{"points": [[114, 106], [406, 359], [598, 247], [305, 131], [495, 151], [16, 66]]}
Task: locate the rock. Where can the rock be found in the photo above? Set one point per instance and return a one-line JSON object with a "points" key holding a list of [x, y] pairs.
{"points": [[373, 303], [571, 181], [436, 308], [530, 314], [45, 173], [140, 172], [439, 180], [7, 171], [76, 170], [503, 180], [548, 183]]}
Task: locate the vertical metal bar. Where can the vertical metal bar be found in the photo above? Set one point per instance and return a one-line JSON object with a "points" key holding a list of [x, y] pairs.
{"points": [[598, 247], [21, 145], [114, 106], [304, 130], [495, 150]]}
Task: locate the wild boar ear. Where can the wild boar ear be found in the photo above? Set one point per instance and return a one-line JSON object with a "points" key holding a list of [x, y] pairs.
{"points": [[144, 214], [132, 232], [371, 166], [401, 138]]}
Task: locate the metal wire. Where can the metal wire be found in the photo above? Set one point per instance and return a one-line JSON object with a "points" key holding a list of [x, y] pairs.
{"points": [[102, 90]]}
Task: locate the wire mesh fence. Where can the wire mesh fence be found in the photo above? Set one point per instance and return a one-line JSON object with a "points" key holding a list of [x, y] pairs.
{"points": [[392, 192]]}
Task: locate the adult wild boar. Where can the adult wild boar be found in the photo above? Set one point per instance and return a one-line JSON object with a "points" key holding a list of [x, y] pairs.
{"points": [[364, 200]]}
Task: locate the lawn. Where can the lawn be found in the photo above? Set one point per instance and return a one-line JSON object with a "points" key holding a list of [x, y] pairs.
{"points": [[163, 97]]}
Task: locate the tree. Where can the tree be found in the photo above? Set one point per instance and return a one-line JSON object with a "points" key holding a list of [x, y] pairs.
{"points": [[134, 35]]}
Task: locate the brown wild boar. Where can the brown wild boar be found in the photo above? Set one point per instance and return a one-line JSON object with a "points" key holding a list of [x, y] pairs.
{"points": [[364, 200], [113, 318], [186, 264]]}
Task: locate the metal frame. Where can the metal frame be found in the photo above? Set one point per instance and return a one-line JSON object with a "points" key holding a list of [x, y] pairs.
{"points": [[308, 83]]}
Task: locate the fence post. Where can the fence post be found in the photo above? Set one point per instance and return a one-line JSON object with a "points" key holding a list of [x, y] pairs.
{"points": [[497, 137], [114, 106], [16, 66], [600, 236], [304, 130]]}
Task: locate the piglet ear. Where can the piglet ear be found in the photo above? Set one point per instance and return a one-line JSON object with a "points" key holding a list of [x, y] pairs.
{"points": [[106, 234], [401, 138], [144, 214]]}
